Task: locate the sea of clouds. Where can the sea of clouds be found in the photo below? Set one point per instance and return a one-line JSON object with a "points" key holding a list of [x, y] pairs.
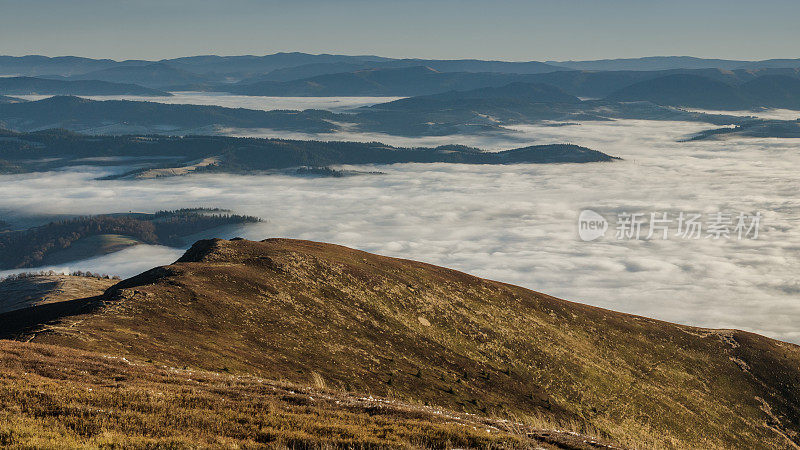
{"points": [[335, 104], [515, 223]]}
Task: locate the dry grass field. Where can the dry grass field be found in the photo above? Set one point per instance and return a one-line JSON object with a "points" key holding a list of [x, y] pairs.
{"points": [[53, 397], [345, 321]]}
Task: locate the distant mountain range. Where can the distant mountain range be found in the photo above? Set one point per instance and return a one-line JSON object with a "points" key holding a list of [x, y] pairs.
{"points": [[37, 65], [527, 92], [401, 82], [222, 67], [43, 86], [769, 91], [776, 84], [494, 109], [300, 74], [440, 65], [121, 117], [482, 110], [454, 111], [674, 62], [424, 80], [294, 66], [153, 75]]}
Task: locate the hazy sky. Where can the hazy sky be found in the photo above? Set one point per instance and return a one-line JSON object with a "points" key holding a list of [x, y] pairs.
{"points": [[500, 29]]}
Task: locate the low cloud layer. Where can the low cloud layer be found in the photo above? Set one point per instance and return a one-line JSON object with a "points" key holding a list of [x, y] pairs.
{"points": [[766, 113], [516, 223], [127, 262], [335, 104]]}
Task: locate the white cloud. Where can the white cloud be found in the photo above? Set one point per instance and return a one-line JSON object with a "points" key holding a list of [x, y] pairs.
{"points": [[518, 223], [767, 113], [130, 261], [335, 104]]}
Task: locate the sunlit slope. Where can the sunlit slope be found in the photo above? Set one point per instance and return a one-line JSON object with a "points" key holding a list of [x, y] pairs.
{"points": [[30, 291], [311, 312], [55, 397]]}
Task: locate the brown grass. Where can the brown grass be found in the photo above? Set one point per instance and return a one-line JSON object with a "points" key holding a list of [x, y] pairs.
{"points": [[53, 397], [33, 290], [285, 309]]}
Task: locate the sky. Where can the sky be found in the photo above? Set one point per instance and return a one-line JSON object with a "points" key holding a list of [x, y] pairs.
{"points": [[502, 29]]}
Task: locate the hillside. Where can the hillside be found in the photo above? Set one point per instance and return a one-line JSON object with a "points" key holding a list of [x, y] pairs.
{"points": [[85, 237], [354, 79], [251, 65], [684, 90], [35, 65], [599, 84], [518, 92], [244, 66], [491, 110], [122, 117], [6, 99], [391, 82], [478, 111], [307, 313], [765, 91], [653, 63], [776, 91], [158, 75], [160, 156], [57, 397], [43, 86], [27, 291], [783, 129], [675, 62]]}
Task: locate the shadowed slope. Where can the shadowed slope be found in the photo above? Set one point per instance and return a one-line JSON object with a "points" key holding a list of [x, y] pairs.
{"points": [[684, 90], [304, 311], [44, 86], [776, 91]]}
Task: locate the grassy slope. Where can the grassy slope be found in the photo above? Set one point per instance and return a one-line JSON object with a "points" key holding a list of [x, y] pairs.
{"points": [[47, 289], [89, 247], [53, 397], [304, 311]]}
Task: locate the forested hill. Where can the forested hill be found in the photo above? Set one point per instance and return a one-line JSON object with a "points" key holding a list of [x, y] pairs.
{"points": [[112, 116], [45, 86], [96, 235], [768, 91], [35, 151]]}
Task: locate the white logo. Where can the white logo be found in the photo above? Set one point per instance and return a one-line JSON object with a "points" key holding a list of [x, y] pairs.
{"points": [[591, 225]]}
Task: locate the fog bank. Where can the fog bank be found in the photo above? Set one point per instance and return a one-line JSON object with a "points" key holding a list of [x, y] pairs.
{"points": [[516, 223]]}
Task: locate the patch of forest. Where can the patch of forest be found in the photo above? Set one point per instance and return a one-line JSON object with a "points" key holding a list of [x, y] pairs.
{"points": [[28, 248]]}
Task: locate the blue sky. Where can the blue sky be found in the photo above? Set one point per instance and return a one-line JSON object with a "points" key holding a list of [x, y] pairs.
{"points": [[502, 29]]}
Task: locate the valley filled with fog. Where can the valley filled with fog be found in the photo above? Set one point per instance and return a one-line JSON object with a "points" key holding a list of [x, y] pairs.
{"points": [[334, 104], [513, 223], [387, 225]]}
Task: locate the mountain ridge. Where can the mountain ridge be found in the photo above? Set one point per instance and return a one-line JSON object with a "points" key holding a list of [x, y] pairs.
{"points": [[160, 155], [100, 395], [765, 91], [289, 308], [45, 86]]}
